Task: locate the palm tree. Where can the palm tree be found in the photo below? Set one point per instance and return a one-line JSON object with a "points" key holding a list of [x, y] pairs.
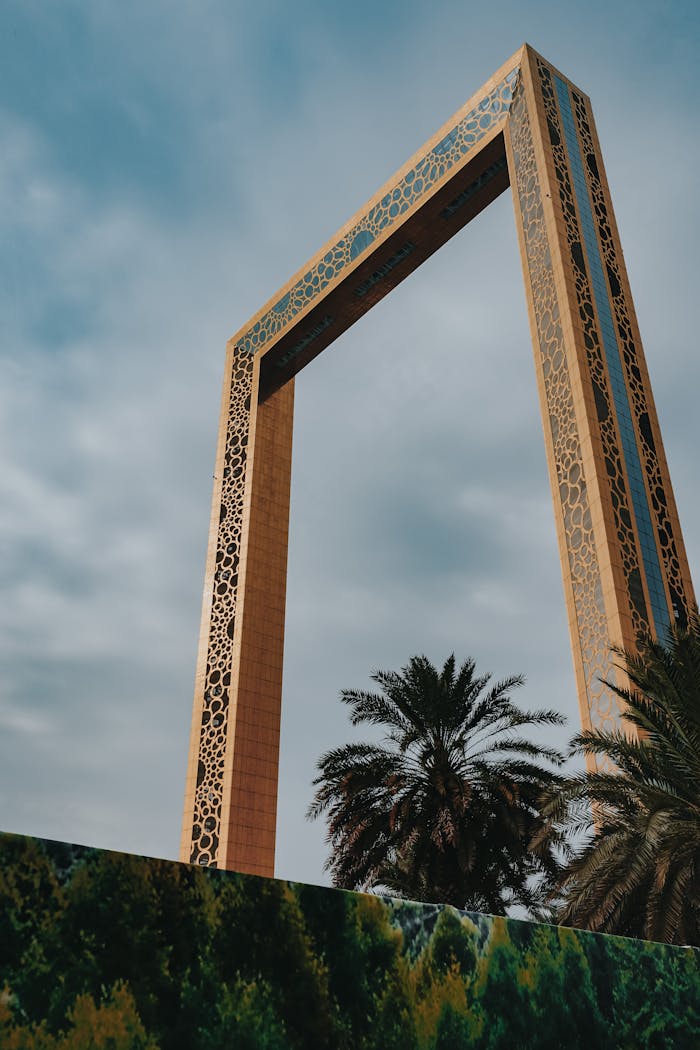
{"points": [[444, 808], [638, 870]]}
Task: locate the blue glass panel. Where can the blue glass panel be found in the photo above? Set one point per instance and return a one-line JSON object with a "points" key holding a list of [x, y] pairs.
{"points": [[360, 241]]}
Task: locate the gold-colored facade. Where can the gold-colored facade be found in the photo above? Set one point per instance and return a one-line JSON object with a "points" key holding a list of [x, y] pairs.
{"points": [[623, 561]]}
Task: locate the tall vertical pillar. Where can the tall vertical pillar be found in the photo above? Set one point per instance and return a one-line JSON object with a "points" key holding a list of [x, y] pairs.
{"points": [[623, 562], [231, 792]]}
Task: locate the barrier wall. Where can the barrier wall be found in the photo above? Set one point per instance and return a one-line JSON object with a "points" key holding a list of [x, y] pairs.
{"points": [[101, 949]]}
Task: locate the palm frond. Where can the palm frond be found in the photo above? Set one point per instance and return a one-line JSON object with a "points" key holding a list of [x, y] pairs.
{"points": [[638, 872]]}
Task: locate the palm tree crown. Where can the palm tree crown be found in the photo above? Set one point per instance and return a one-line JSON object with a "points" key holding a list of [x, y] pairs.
{"points": [[638, 871], [444, 808]]}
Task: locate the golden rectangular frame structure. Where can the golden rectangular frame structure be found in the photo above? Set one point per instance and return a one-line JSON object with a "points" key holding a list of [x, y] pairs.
{"points": [[622, 556]]}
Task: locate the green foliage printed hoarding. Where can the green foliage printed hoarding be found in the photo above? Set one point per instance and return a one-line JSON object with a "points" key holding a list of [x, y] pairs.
{"points": [[108, 950]]}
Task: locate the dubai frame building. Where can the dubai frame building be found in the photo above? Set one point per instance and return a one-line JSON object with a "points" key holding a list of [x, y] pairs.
{"points": [[622, 556]]}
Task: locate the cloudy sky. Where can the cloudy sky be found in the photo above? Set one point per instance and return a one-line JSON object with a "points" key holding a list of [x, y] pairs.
{"points": [[164, 168]]}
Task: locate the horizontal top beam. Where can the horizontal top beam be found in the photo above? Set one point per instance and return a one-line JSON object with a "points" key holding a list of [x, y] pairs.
{"points": [[441, 187]]}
